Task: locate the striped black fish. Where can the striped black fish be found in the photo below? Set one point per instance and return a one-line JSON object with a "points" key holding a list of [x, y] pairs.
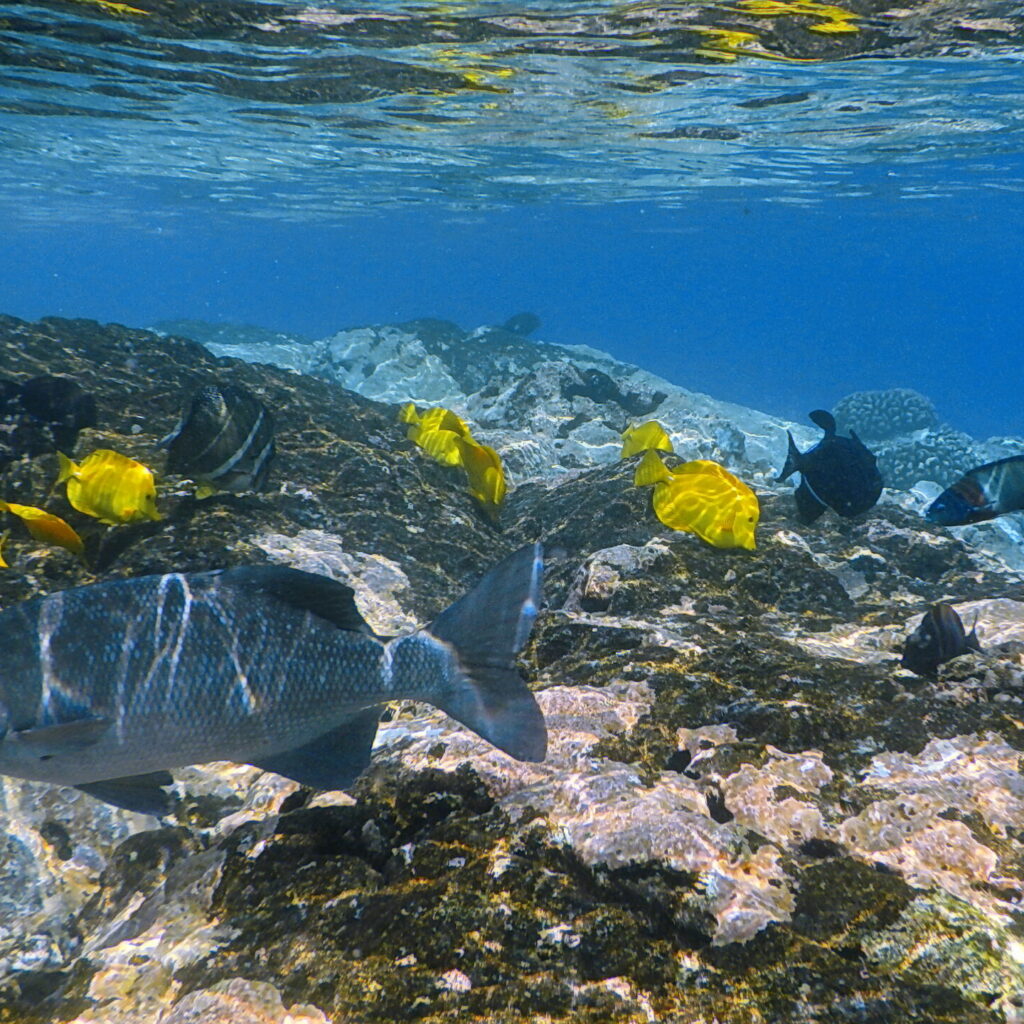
{"points": [[981, 493], [224, 441], [939, 638]]}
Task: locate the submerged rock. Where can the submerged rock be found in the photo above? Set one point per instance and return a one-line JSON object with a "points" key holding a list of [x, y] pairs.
{"points": [[749, 813]]}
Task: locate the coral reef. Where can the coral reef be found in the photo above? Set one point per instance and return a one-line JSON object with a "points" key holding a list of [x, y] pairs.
{"points": [[555, 408], [882, 415], [941, 455], [749, 812]]}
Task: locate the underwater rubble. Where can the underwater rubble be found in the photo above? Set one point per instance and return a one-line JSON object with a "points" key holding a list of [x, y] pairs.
{"points": [[750, 812]]}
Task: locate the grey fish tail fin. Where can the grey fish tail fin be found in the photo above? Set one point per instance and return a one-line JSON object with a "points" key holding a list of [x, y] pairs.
{"points": [[486, 629], [793, 456]]}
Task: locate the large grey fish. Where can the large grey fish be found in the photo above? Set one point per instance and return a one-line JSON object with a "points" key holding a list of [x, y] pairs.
{"points": [[224, 441], [981, 493], [106, 686]]}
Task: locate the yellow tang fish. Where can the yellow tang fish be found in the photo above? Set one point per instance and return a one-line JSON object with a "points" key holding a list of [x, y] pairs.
{"points": [[110, 487], [45, 526], [3, 544], [438, 444], [704, 498], [439, 418], [436, 418], [646, 437], [486, 474], [435, 431]]}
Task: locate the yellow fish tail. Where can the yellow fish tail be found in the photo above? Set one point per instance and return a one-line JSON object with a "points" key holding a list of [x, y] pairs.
{"points": [[67, 468], [408, 413], [651, 470]]}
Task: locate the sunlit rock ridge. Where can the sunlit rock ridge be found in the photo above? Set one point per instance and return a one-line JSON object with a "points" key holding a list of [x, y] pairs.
{"points": [[749, 812], [553, 409]]}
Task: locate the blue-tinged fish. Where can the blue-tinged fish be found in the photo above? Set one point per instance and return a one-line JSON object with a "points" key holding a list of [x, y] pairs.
{"points": [[981, 493], [224, 441], [939, 638], [106, 686], [522, 323], [839, 473]]}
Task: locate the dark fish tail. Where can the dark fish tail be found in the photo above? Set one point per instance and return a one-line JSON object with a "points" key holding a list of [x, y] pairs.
{"points": [[793, 457], [971, 640], [486, 629]]}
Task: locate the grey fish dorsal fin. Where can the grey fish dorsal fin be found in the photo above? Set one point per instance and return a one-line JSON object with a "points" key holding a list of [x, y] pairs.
{"points": [[320, 595], [332, 761], [825, 420]]}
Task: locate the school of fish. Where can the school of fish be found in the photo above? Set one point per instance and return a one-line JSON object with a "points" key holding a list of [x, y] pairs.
{"points": [[99, 684]]}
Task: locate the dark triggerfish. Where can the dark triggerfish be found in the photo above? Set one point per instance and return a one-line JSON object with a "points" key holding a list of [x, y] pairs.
{"points": [[106, 686], [224, 441], [837, 473], [981, 493], [939, 638]]}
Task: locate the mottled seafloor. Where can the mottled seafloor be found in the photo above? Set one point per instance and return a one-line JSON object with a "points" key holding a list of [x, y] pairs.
{"points": [[749, 812]]}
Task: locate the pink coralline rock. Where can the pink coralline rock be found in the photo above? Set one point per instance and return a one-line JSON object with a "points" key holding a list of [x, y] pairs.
{"points": [[968, 773], [605, 812], [239, 1001], [751, 795], [911, 831]]}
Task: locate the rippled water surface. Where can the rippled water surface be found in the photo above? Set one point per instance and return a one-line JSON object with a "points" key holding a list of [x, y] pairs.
{"points": [[297, 111], [773, 201]]}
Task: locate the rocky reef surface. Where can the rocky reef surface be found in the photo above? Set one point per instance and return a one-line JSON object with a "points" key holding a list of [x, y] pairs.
{"points": [[556, 409], [749, 813]]}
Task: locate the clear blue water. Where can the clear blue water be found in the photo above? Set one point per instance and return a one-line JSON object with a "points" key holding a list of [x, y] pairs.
{"points": [[776, 221]]}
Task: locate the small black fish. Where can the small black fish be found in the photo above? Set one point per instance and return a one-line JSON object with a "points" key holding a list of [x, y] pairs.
{"points": [[43, 414], [837, 473], [981, 493], [522, 323], [938, 638], [225, 441]]}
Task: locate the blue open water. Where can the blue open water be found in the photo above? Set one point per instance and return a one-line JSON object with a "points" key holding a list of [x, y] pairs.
{"points": [[776, 222]]}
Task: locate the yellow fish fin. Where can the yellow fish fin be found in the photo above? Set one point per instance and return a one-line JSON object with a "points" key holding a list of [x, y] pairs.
{"points": [[651, 470], [3, 543], [646, 436], [67, 468], [439, 418]]}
